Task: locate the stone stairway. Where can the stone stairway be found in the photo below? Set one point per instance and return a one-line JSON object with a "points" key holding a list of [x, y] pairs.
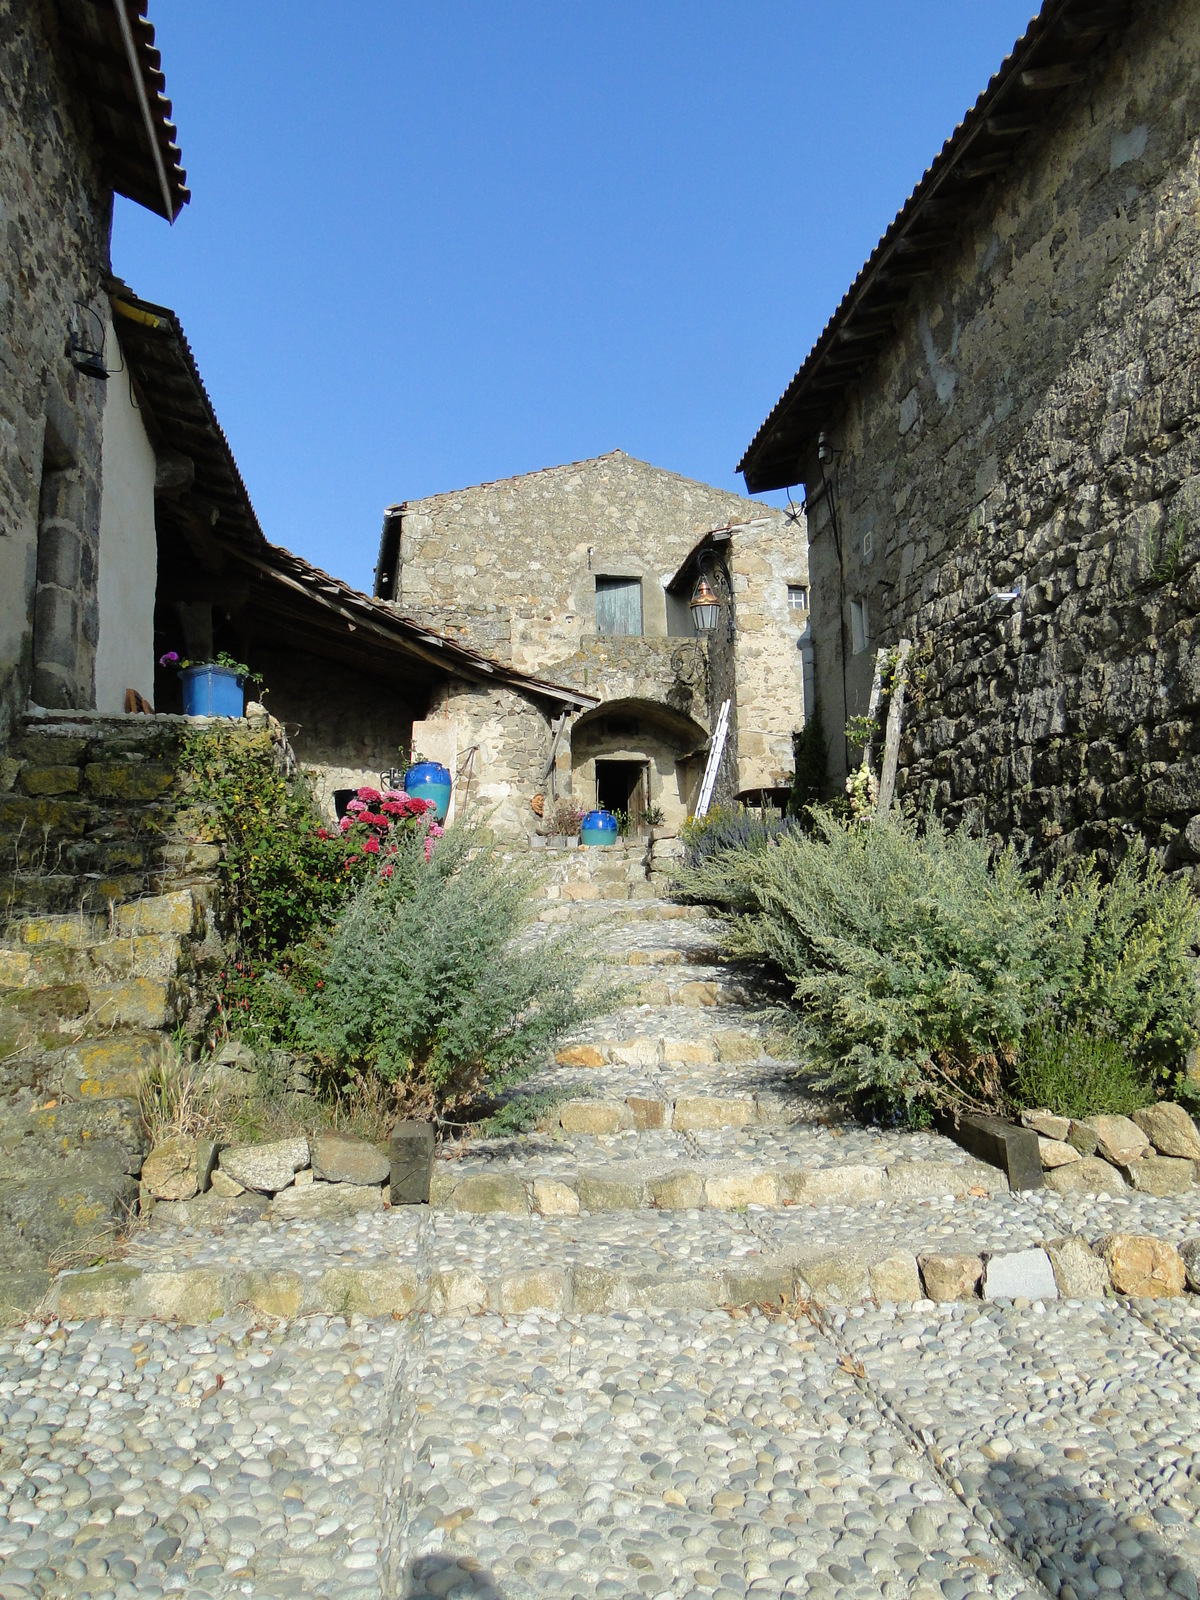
{"points": [[693, 1337]]}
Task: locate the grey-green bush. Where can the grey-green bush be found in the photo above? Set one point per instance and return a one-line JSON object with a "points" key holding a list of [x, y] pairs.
{"points": [[427, 981], [919, 960]]}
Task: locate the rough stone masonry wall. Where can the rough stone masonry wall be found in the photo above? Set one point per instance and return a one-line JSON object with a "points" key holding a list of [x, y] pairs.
{"points": [[522, 545], [55, 212], [766, 557], [503, 746], [1035, 424]]}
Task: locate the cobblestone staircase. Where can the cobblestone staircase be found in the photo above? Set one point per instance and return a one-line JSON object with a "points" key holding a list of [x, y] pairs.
{"points": [[102, 904], [669, 1344]]}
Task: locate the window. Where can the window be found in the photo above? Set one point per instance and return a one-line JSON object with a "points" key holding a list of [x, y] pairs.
{"points": [[619, 606], [797, 599], [860, 627]]}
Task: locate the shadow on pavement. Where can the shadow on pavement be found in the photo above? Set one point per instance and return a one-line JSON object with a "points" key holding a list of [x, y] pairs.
{"points": [[445, 1577], [1081, 1544]]}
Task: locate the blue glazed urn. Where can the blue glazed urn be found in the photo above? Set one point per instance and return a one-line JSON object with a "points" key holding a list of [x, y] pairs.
{"points": [[430, 780]]}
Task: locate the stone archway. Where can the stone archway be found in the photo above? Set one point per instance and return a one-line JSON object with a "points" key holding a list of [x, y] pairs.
{"points": [[642, 751]]}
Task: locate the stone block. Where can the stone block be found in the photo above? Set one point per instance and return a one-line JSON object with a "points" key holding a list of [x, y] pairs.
{"points": [[579, 1055], [1056, 1153], [553, 1198], [677, 1191], [279, 1293], [853, 1183], [689, 1052], [1088, 1175], [169, 1171], [1078, 1271], [1160, 1175], [732, 1191], [224, 1186], [1170, 1130], [695, 1113], [635, 1053], [128, 780], [410, 1155], [950, 1277], [486, 1192], [1003, 1145], [50, 780], [442, 1182], [1118, 1139], [595, 1116], [768, 1286], [337, 1158], [161, 913], [840, 1277], [606, 1191], [646, 1112], [896, 1278], [695, 994], [1083, 1138], [381, 1291], [265, 1168], [458, 1291], [325, 1200], [914, 1180], [1142, 1266], [736, 1046], [1189, 1252], [135, 1003], [1047, 1124], [537, 1289], [1019, 1274]]}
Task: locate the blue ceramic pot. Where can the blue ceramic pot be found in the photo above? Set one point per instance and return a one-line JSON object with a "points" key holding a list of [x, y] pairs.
{"points": [[599, 829], [212, 691], [430, 780]]}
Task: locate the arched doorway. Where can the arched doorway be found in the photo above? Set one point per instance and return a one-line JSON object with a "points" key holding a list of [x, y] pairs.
{"points": [[630, 755]]}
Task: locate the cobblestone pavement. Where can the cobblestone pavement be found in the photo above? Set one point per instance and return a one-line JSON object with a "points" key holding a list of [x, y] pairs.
{"points": [[638, 1395]]}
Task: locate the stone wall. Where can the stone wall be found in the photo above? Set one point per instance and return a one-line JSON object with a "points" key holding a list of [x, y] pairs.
{"points": [[503, 747], [766, 558], [55, 213], [1033, 427], [344, 727]]}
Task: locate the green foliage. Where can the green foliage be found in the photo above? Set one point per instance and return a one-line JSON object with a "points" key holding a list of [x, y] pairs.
{"points": [[284, 875], [862, 730], [1076, 1072], [1163, 551], [722, 835], [428, 982], [524, 1111], [809, 756], [919, 962]]}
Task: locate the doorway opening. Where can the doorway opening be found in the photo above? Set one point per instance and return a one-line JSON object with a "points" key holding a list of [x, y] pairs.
{"points": [[623, 786]]}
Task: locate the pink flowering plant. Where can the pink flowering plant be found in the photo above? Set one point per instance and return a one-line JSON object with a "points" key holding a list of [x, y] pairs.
{"points": [[376, 821]]}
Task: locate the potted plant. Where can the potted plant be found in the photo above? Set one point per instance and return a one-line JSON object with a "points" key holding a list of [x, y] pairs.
{"points": [[212, 688], [564, 823]]}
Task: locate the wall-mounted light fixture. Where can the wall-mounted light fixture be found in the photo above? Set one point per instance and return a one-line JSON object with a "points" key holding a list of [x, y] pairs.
{"points": [[85, 345], [705, 607]]}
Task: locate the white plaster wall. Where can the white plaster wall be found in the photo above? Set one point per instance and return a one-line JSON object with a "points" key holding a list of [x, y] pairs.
{"points": [[128, 552]]}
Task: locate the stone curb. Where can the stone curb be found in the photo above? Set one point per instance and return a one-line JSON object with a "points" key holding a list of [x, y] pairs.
{"points": [[686, 1187], [1137, 1266]]}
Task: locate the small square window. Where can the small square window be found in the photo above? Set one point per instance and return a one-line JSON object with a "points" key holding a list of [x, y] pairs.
{"points": [[797, 597], [860, 627]]}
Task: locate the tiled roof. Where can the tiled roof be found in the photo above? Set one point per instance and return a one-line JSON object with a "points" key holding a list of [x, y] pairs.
{"points": [[110, 44]]}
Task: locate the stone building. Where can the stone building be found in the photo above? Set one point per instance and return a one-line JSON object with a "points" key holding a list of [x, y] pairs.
{"points": [[997, 434], [84, 117], [584, 573]]}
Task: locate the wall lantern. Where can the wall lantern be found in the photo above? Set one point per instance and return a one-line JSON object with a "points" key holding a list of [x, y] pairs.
{"points": [[85, 349], [705, 607]]}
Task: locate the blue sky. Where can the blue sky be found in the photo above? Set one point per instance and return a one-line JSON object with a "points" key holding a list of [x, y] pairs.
{"points": [[435, 244]]}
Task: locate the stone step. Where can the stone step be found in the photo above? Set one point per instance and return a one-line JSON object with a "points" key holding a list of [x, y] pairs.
{"points": [[387, 1262], [672, 1177], [32, 965], [588, 912]]}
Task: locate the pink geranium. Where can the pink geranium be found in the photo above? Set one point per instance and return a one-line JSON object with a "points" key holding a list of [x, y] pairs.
{"points": [[346, 824], [369, 794], [371, 846]]}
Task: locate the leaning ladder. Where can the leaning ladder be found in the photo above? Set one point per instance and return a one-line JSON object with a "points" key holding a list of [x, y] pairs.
{"points": [[715, 751]]}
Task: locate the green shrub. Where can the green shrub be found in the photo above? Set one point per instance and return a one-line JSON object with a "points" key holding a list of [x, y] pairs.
{"points": [[427, 980], [284, 874], [919, 961], [1077, 1073]]}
